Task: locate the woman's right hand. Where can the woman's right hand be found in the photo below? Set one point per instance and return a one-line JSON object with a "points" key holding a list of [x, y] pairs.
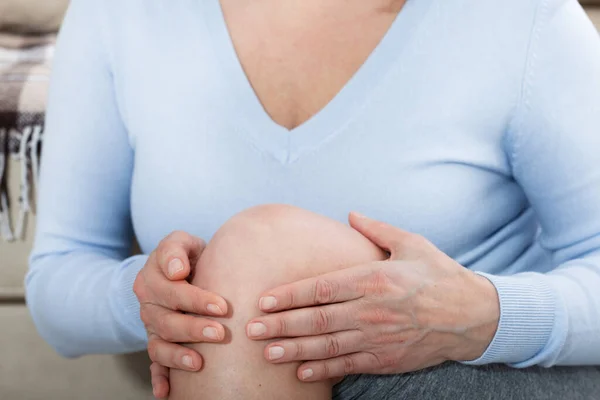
{"points": [[165, 295]]}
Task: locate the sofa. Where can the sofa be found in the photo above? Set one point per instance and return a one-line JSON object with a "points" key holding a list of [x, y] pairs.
{"points": [[29, 368]]}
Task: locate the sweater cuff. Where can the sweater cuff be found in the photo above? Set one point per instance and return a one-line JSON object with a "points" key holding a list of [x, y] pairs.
{"points": [[125, 304], [527, 312]]}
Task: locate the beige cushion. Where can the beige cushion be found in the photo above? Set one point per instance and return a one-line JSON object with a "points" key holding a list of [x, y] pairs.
{"points": [[31, 16], [30, 370]]}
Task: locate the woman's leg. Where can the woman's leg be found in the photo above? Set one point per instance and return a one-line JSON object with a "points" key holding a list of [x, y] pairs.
{"points": [[453, 381], [256, 250]]}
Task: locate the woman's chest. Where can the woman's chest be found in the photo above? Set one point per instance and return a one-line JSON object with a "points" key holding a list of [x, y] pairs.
{"points": [[433, 180], [297, 55], [414, 138]]}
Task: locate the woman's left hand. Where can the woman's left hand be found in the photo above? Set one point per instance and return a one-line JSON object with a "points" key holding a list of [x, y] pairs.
{"points": [[417, 309]]}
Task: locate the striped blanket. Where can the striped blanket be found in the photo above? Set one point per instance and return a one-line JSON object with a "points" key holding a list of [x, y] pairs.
{"points": [[24, 75]]}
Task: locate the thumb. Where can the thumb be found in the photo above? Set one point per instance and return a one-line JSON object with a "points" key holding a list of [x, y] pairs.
{"points": [[177, 255], [383, 235], [160, 381]]}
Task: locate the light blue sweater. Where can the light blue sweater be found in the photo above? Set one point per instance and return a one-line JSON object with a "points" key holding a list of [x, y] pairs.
{"points": [[475, 124]]}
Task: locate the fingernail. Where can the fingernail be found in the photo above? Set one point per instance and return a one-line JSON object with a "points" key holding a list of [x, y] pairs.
{"points": [[211, 333], [359, 215], [307, 373], [175, 266], [276, 352], [267, 303], [256, 329], [188, 361], [214, 309]]}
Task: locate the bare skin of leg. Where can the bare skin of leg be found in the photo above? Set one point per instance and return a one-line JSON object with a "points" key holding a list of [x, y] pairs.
{"points": [[257, 250]]}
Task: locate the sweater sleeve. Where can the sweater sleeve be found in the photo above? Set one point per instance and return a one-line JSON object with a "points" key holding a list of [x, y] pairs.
{"points": [[554, 146], [80, 283]]}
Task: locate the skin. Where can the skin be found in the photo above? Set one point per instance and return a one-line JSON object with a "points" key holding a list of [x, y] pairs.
{"points": [[413, 310], [416, 309], [298, 55], [164, 295], [256, 250]]}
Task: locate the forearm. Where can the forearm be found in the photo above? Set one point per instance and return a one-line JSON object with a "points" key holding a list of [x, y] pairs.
{"points": [[80, 284], [82, 302], [577, 325], [549, 319]]}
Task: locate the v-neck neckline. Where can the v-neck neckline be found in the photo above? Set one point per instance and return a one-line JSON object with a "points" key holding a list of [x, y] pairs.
{"points": [[284, 144]]}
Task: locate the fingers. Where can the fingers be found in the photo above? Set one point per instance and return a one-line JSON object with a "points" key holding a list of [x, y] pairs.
{"points": [[315, 348], [178, 253], [176, 327], [171, 355], [350, 364], [383, 235], [399, 243], [182, 296], [335, 287], [302, 322], [163, 292], [160, 381]]}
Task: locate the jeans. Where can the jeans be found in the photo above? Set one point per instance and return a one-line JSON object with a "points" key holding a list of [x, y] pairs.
{"points": [[455, 381]]}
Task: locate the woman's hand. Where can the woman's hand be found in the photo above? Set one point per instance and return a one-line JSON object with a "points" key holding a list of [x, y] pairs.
{"points": [[165, 295], [415, 310]]}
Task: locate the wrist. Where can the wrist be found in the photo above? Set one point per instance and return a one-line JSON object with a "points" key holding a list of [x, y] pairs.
{"points": [[479, 320]]}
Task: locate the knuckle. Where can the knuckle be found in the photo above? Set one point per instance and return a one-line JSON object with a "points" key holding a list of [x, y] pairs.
{"points": [[154, 369], [349, 365], [174, 299], [385, 361], [193, 330], [380, 281], [177, 236], [332, 346], [282, 326], [325, 291], [138, 287], [377, 316], [322, 320], [291, 298], [199, 242], [168, 336], [168, 246], [162, 248], [164, 329], [153, 351], [326, 370], [145, 315], [300, 351], [199, 300], [190, 331]]}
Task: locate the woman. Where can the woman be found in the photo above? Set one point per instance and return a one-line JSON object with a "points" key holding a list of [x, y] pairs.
{"points": [[474, 125]]}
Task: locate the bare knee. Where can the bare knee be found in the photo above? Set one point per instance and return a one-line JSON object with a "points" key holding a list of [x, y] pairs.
{"points": [[284, 242], [256, 250]]}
